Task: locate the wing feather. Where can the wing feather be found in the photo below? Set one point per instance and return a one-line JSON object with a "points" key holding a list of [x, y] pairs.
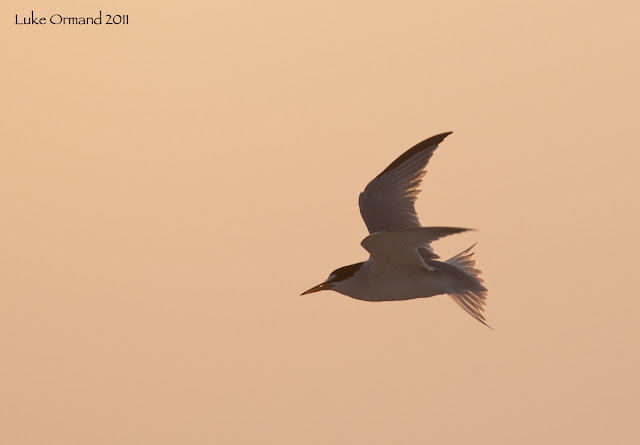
{"points": [[388, 201], [402, 247]]}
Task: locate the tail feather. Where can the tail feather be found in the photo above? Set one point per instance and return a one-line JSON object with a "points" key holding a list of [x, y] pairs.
{"points": [[470, 295]]}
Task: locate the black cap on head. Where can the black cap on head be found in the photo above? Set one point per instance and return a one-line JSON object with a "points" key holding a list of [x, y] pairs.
{"points": [[344, 272]]}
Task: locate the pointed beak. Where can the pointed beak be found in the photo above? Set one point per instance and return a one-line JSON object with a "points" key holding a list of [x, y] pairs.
{"points": [[319, 287]]}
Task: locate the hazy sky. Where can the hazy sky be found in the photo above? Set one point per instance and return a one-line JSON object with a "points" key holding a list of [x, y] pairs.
{"points": [[169, 187]]}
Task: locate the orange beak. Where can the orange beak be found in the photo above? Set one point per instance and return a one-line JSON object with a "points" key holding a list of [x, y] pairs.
{"points": [[318, 288]]}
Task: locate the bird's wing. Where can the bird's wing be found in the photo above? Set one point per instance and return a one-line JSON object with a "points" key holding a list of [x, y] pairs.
{"points": [[401, 247], [387, 202]]}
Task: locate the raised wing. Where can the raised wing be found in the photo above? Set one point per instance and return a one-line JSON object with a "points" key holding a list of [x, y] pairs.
{"points": [[387, 202], [403, 247]]}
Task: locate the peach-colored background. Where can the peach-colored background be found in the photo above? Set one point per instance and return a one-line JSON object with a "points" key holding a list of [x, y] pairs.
{"points": [[170, 187]]}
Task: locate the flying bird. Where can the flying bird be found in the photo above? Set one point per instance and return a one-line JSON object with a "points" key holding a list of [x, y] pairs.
{"points": [[402, 265]]}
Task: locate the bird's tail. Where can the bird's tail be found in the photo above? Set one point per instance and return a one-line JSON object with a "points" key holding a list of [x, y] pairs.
{"points": [[468, 291]]}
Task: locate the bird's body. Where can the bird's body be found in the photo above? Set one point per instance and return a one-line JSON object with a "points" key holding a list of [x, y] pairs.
{"points": [[402, 265], [391, 283]]}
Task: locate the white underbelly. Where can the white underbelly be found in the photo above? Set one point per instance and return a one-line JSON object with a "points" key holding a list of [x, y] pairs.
{"points": [[396, 285]]}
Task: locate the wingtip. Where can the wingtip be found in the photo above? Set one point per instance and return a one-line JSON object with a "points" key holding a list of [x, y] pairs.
{"points": [[433, 141]]}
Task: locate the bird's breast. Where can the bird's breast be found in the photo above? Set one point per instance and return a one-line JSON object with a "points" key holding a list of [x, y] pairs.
{"points": [[393, 284]]}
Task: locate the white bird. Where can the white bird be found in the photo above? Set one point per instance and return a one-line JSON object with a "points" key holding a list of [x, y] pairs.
{"points": [[402, 264]]}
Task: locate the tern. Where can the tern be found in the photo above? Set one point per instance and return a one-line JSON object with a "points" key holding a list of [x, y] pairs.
{"points": [[402, 265]]}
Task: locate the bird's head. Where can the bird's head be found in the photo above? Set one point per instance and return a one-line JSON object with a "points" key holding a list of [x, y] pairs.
{"points": [[336, 278]]}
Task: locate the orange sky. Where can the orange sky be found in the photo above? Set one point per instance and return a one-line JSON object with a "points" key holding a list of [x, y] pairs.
{"points": [[171, 186]]}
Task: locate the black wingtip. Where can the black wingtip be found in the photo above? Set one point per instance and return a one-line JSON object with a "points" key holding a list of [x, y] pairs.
{"points": [[433, 140], [437, 138], [427, 143]]}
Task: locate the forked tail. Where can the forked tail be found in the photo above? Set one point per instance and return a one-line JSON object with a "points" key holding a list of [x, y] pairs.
{"points": [[468, 291]]}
